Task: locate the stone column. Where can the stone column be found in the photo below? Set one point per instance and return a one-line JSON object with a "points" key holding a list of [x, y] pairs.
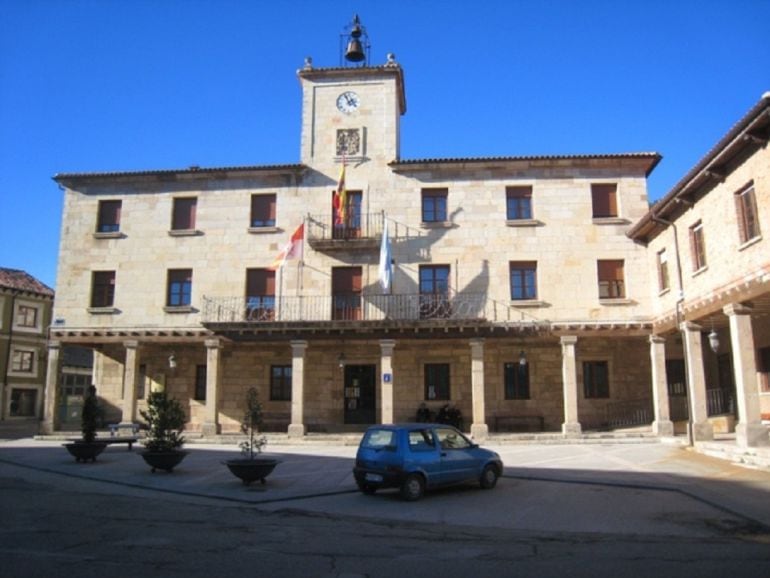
{"points": [[749, 432], [662, 426], [571, 425], [130, 374], [386, 380], [297, 425], [702, 430], [479, 428], [51, 396], [210, 426]]}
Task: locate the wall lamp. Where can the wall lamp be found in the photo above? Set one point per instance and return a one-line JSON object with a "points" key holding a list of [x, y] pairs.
{"points": [[713, 339], [522, 358], [341, 360], [172, 361]]}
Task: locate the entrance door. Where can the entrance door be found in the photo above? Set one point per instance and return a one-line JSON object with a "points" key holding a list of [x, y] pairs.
{"points": [[360, 394]]}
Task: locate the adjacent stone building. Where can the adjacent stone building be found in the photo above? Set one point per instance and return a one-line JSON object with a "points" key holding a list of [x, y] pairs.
{"points": [[506, 287], [711, 269], [25, 314]]}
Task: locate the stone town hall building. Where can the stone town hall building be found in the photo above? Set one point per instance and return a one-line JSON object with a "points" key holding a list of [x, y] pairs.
{"points": [[526, 291]]}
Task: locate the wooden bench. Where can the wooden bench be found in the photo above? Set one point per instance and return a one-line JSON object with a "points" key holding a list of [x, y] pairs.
{"points": [[112, 440], [116, 427], [519, 423]]}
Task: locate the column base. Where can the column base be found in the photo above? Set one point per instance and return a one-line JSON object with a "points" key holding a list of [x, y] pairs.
{"points": [[663, 428], [46, 428], [479, 432], [751, 435], [210, 429], [571, 429], [296, 430], [702, 432]]}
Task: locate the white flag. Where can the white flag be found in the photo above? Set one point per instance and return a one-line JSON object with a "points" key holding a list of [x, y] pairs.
{"points": [[386, 271]]}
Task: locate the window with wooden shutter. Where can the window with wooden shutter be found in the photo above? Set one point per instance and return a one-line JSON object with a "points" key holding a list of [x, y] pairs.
{"points": [[260, 294], [109, 217], [183, 218], [611, 281], [263, 210], [604, 200], [697, 247], [663, 281], [102, 288], [746, 209], [518, 203], [346, 293]]}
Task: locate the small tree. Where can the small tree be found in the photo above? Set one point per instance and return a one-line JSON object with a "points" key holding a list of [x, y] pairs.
{"points": [[90, 415], [166, 420], [252, 420]]}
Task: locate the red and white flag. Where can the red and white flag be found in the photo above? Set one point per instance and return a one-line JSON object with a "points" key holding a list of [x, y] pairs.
{"points": [[292, 250]]}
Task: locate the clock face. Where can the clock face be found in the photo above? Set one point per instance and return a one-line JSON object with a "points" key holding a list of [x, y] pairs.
{"points": [[348, 102]]}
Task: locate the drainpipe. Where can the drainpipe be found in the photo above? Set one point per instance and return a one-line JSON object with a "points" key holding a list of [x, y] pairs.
{"points": [[679, 319]]}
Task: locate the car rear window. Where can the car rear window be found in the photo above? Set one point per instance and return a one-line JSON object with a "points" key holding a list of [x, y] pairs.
{"points": [[379, 438]]}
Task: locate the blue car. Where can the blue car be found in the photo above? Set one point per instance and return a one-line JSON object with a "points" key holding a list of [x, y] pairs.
{"points": [[418, 456]]}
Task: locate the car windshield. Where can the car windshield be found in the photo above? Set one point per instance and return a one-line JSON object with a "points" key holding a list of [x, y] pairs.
{"points": [[379, 438]]}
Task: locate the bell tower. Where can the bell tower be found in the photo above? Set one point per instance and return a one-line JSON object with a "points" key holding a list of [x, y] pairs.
{"points": [[351, 113]]}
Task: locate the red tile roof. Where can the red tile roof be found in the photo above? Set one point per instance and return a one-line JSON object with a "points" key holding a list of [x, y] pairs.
{"points": [[23, 281]]}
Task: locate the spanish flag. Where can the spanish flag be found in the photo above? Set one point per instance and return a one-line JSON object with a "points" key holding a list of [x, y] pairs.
{"points": [[340, 199], [292, 250]]}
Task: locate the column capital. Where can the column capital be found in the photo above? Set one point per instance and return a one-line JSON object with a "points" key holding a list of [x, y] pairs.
{"points": [[131, 344], [568, 339], [657, 339], [386, 346], [690, 326], [737, 309], [298, 346], [213, 343], [53, 345]]}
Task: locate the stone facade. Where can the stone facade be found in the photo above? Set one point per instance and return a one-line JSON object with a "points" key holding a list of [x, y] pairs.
{"points": [[376, 362]]}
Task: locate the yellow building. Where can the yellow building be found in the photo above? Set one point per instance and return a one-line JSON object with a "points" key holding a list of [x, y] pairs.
{"points": [[515, 293]]}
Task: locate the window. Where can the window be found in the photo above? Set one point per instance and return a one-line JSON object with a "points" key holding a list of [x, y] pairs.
{"points": [[697, 247], [763, 367], [26, 316], [663, 282], [434, 205], [179, 293], [23, 402], [523, 280], [183, 218], [102, 288], [347, 224], [437, 381], [746, 205], [518, 203], [260, 295], [604, 200], [280, 383], [200, 382], [22, 361], [611, 283], [434, 291], [516, 379], [109, 217], [262, 211], [596, 383]]}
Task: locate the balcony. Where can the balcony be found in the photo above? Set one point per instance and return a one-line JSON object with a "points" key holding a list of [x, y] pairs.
{"points": [[238, 317], [359, 232]]}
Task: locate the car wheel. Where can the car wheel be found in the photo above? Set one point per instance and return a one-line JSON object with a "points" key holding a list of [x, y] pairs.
{"points": [[489, 477], [413, 487], [367, 489]]}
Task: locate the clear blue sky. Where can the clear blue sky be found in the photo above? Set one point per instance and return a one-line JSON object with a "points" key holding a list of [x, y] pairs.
{"points": [[102, 85]]}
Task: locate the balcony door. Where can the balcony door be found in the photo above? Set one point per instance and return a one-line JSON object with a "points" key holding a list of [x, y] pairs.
{"points": [[434, 291], [349, 226], [260, 295], [346, 293]]}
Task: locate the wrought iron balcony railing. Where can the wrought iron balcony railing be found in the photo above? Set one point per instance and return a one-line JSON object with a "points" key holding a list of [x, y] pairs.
{"points": [[363, 229], [358, 308]]}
